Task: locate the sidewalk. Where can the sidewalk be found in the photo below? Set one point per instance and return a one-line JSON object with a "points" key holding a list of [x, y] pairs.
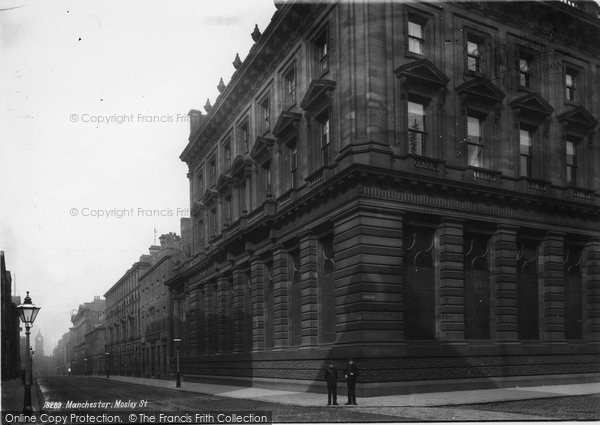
{"points": [[449, 398], [13, 395]]}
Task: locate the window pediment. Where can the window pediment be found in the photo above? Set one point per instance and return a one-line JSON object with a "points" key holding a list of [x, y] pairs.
{"points": [[316, 92], [261, 151], [287, 121], [422, 71], [209, 195], [223, 182], [241, 165], [578, 119], [534, 103], [481, 88]]}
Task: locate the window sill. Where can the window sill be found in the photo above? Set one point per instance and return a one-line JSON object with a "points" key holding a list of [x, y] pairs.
{"points": [[413, 55]]}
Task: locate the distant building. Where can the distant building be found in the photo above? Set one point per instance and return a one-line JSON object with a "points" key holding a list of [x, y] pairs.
{"points": [[414, 185], [11, 358], [39, 344], [61, 355], [155, 305], [124, 335], [89, 316]]}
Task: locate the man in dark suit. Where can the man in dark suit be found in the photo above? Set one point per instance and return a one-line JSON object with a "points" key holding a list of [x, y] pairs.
{"points": [[351, 375], [331, 376]]}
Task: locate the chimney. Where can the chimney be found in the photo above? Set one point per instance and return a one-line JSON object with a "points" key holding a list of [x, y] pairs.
{"points": [[196, 118], [170, 240]]}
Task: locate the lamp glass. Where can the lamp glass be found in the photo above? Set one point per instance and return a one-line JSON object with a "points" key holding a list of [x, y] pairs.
{"points": [[28, 312]]}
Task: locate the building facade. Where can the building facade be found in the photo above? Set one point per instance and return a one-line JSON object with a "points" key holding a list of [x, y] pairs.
{"points": [[89, 316], [410, 184], [11, 325], [155, 306], [123, 321]]}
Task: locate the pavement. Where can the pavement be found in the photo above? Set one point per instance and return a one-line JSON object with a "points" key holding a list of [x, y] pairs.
{"points": [[13, 395], [434, 399]]}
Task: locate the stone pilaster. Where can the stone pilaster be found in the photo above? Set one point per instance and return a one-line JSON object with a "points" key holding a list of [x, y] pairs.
{"points": [[591, 274], [194, 322], [257, 295], [504, 278], [553, 274], [223, 336], [368, 273], [309, 290], [451, 278], [280, 287], [241, 317], [210, 323]]}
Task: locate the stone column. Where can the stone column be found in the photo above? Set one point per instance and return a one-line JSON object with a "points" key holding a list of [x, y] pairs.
{"points": [[280, 297], [591, 294], [504, 280], [309, 290], [369, 253], [553, 274], [452, 280]]}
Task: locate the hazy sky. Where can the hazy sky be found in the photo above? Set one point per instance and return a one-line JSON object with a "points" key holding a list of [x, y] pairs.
{"points": [[94, 102]]}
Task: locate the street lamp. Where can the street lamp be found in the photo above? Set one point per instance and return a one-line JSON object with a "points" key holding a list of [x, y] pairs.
{"points": [[107, 372], [85, 369], [27, 313], [177, 341]]}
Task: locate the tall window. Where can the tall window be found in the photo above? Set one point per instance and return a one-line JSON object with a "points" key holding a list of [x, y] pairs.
{"points": [[416, 128], [416, 42], [244, 137], [199, 184], [226, 154], [227, 210], [265, 115], [570, 79], [321, 44], [242, 197], [571, 161], [213, 222], [290, 86], [325, 138], [294, 164], [526, 152], [525, 72], [212, 165], [474, 47], [475, 145]]}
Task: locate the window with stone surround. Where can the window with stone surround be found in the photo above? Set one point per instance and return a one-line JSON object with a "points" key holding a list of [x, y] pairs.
{"points": [[212, 170], [571, 160], [264, 115], [243, 134], [475, 145], [289, 89], [571, 75], [526, 157], [321, 47], [325, 137], [417, 134]]}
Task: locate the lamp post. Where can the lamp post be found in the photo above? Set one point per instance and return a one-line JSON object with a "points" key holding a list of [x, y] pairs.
{"points": [[27, 313], [85, 369], [178, 382], [107, 371]]}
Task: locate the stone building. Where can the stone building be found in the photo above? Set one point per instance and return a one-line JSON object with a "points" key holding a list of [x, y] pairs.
{"points": [[123, 322], [89, 317], [11, 325], [410, 184], [155, 306]]}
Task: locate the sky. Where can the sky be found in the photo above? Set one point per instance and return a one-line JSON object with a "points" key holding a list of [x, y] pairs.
{"points": [[94, 97]]}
